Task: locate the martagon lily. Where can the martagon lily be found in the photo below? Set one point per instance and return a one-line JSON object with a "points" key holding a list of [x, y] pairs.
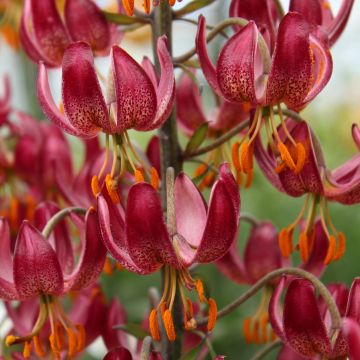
{"points": [[139, 240], [247, 70], [137, 99], [320, 185], [45, 268], [304, 326]]}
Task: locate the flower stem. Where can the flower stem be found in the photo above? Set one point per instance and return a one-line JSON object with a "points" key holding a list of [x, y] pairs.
{"points": [[266, 349], [60, 215], [319, 286]]}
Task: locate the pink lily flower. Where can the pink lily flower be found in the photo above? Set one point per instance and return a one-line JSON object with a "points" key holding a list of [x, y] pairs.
{"points": [[304, 327], [5, 101], [45, 37], [138, 239], [320, 185], [45, 268], [247, 70]]}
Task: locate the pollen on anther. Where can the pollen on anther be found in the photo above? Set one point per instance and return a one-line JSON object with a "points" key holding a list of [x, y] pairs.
{"points": [[10, 339], [331, 250], [235, 156], [27, 349], [154, 325], [95, 187], [169, 325], [304, 246], [154, 178], [341, 246], [200, 290], [301, 157], [212, 314], [39, 350], [285, 156], [139, 175]]}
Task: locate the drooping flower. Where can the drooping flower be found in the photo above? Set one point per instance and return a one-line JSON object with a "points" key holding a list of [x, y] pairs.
{"points": [[136, 100], [318, 183], [130, 4], [45, 37], [138, 239], [304, 327], [45, 268], [294, 73]]}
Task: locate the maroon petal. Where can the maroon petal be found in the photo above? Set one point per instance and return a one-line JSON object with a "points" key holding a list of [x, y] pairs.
{"points": [[92, 256], [206, 64], [189, 109], [112, 227], [236, 69], [353, 306], [351, 331], [275, 315], [86, 22], [153, 153], [119, 353], [6, 268], [304, 329], [217, 239], [165, 91], [148, 240], [150, 70], [36, 267], [49, 32], [190, 210], [287, 353], [291, 71], [84, 104], [311, 10], [50, 109]]}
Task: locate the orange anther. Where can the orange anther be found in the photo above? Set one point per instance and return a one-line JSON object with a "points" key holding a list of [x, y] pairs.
{"points": [[246, 157], [341, 246], [111, 187], [128, 7], [169, 325], [301, 157], [59, 335], [72, 342], [139, 175], [280, 167], [154, 325], [256, 335], [235, 156], [39, 350], [108, 268], [154, 178], [246, 105], [163, 308], [61, 107], [200, 170], [247, 330], [11, 36], [119, 266], [95, 187], [212, 314], [200, 290], [331, 250], [146, 6], [304, 247], [27, 349], [285, 242], [263, 328], [285, 156], [10, 340], [81, 337], [55, 348], [13, 212], [30, 208]]}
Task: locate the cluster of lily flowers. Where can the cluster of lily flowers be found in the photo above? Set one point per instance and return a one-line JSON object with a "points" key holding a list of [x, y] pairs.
{"points": [[61, 229]]}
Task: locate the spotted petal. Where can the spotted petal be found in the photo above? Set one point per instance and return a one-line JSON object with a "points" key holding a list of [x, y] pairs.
{"points": [[351, 330]]}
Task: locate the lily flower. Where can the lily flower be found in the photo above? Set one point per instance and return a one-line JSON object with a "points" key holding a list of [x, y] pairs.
{"points": [[45, 37], [45, 268], [319, 185], [137, 100], [222, 118], [128, 5], [294, 73], [139, 240], [5, 101], [301, 325], [261, 256]]}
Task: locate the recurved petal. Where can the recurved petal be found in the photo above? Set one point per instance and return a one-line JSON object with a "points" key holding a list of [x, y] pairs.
{"points": [[189, 109], [206, 64], [291, 70], [236, 68], [226, 176], [190, 210], [36, 267], [147, 237], [86, 22], [217, 239], [119, 353], [304, 329], [84, 104], [351, 331], [50, 109], [353, 306], [153, 153], [6, 268], [92, 256], [112, 227], [356, 135], [311, 10], [135, 94], [49, 31], [165, 92]]}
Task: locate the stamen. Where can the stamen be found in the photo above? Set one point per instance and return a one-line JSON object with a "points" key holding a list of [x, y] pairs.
{"points": [[285, 156], [246, 157], [139, 175], [101, 172], [146, 6], [235, 156], [263, 327], [27, 349], [340, 251], [59, 335], [200, 170], [255, 336], [249, 178], [200, 290], [39, 350], [154, 325], [169, 325], [247, 330], [280, 167], [128, 7], [285, 243], [71, 342], [108, 268], [81, 338], [212, 314], [301, 157], [207, 181], [331, 250], [95, 187], [55, 348], [154, 178], [304, 246], [10, 340], [111, 187]]}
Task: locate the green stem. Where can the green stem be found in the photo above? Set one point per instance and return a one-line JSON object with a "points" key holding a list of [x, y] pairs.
{"points": [[319, 286], [59, 216], [266, 350]]}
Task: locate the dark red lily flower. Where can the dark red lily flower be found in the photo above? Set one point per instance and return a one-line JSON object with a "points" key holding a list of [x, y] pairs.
{"points": [[138, 239], [128, 5], [320, 185], [45, 37], [296, 71], [302, 326], [45, 268]]}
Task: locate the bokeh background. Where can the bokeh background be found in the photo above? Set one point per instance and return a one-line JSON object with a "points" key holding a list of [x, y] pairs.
{"points": [[330, 115]]}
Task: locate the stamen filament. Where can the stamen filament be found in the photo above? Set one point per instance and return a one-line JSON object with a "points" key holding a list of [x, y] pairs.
{"points": [[101, 172]]}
